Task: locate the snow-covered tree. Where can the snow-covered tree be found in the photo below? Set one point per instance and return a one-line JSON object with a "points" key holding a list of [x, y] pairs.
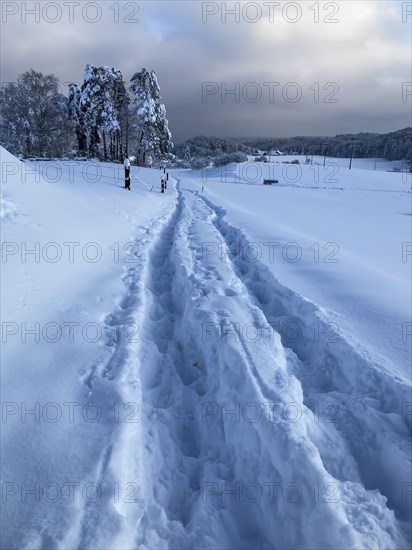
{"points": [[35, 116], [121, 102], [150, 112], [90, 107], [188, 155], [229, 158], [76, 117], [102, 112]]}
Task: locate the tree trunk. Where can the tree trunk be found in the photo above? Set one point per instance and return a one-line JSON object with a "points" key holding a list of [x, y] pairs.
{"points": [[104, 146]]}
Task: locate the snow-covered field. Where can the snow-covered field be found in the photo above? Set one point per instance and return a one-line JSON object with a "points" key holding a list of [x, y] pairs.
{"points": [[226, 365]]}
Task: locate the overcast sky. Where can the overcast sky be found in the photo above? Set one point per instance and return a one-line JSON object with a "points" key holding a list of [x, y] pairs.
{"points": [[296, 68]]}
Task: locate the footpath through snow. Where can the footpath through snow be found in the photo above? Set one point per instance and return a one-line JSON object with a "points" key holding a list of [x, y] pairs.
{"points": [[218, 430]]}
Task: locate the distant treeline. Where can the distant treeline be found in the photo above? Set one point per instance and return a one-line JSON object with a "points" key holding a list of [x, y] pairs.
{"points": [[392, 146], [210, 147]]}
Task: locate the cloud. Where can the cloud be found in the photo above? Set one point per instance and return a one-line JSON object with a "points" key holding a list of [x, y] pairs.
{"points": [[364, 54]]}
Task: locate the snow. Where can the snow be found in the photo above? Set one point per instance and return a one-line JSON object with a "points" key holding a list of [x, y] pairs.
{"points": [[220, 427], [341, 243], [8, 209]]}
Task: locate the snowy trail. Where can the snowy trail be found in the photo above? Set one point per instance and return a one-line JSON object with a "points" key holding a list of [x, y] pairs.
{"points": [[244, 435], [98, 523], [212, 475], [354, 395]]}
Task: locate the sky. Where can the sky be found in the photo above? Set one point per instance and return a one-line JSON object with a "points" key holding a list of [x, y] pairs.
{"points": [[232, 69]]}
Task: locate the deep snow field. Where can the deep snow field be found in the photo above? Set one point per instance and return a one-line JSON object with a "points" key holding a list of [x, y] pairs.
{"points": [[226, 365]]}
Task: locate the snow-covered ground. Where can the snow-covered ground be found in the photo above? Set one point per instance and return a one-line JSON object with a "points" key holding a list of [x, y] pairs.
{"points": [[340, 238], [226, 365]]}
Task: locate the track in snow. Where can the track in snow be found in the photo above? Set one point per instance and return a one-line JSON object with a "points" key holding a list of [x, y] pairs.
{"points": [[354, 395], [195, 365], [209, 478]]}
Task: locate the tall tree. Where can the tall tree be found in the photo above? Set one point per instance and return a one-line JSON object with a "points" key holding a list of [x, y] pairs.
{"points": [[35, 116], [121, 102], [89, 107], [102, 112], [76, 117], [152, 124]]}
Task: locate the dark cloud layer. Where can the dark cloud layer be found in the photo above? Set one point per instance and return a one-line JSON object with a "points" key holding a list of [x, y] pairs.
{"points": [[289, 74]]}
